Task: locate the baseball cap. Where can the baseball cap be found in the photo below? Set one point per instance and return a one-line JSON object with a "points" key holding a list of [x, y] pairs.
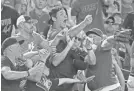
{"points": [[25, 18], [95, 31], [10, 41]]}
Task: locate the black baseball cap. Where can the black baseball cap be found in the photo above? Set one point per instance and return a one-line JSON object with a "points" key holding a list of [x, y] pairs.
{"points": [[10, 41]]}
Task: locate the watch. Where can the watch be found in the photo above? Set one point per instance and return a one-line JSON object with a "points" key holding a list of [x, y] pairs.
{"points": [[89, 48]]}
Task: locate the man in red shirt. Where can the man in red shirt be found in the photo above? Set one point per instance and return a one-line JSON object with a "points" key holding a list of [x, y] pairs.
{"points": [[104, 78], [82, 8]]}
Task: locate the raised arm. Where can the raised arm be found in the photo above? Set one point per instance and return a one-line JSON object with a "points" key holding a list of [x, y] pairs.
{"points": [[122, 36], [78, 28]]}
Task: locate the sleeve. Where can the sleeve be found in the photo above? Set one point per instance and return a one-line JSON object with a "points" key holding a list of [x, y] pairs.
{"points": [[75, 9], [5, 62]]}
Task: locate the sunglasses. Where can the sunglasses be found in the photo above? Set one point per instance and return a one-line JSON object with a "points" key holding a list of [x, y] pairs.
{"points": [[77, 38], [31, 21]]}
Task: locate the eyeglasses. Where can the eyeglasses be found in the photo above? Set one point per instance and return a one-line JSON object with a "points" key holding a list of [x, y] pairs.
{"points": [[32, 21]]}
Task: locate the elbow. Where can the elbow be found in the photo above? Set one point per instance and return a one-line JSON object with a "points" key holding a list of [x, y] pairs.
{"points": [[55, 63]]}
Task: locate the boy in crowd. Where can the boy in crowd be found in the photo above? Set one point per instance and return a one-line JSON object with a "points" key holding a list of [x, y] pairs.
{"points": [[66, 61]]}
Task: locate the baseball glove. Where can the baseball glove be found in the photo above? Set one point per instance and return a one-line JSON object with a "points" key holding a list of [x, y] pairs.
{"points": [[123, 36]]}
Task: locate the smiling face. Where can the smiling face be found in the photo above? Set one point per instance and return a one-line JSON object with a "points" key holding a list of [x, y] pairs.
{"points": [[61, 18]]}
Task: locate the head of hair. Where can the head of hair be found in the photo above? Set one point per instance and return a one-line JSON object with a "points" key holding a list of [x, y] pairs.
{"points": [[118, 5], [54, 12]]}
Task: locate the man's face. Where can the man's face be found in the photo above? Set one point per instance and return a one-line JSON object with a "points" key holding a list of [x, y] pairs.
{"points": [[40, 4], [96, 39], [61, 18]]}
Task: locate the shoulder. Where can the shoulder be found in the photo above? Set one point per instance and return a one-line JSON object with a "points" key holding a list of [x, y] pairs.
{"points": [[10, 8], [5, 61]]}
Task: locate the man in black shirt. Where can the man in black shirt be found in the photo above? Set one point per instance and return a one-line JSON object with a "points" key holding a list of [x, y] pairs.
{"points": [[8, 19], [11, 67]]}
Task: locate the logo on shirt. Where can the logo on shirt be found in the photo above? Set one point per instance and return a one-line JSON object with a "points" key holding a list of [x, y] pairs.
{"points": [[7, 25], [90, 7]]}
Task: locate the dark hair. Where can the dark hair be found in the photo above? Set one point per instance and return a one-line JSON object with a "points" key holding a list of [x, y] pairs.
{"points": [[112, 18], [53, 13]]}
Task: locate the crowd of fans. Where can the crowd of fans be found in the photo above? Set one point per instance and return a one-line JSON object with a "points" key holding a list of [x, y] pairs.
{"points": [[67, 45]]}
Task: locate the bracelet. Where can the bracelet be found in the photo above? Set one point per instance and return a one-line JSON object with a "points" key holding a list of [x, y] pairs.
{"points": [[28, 73]]}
